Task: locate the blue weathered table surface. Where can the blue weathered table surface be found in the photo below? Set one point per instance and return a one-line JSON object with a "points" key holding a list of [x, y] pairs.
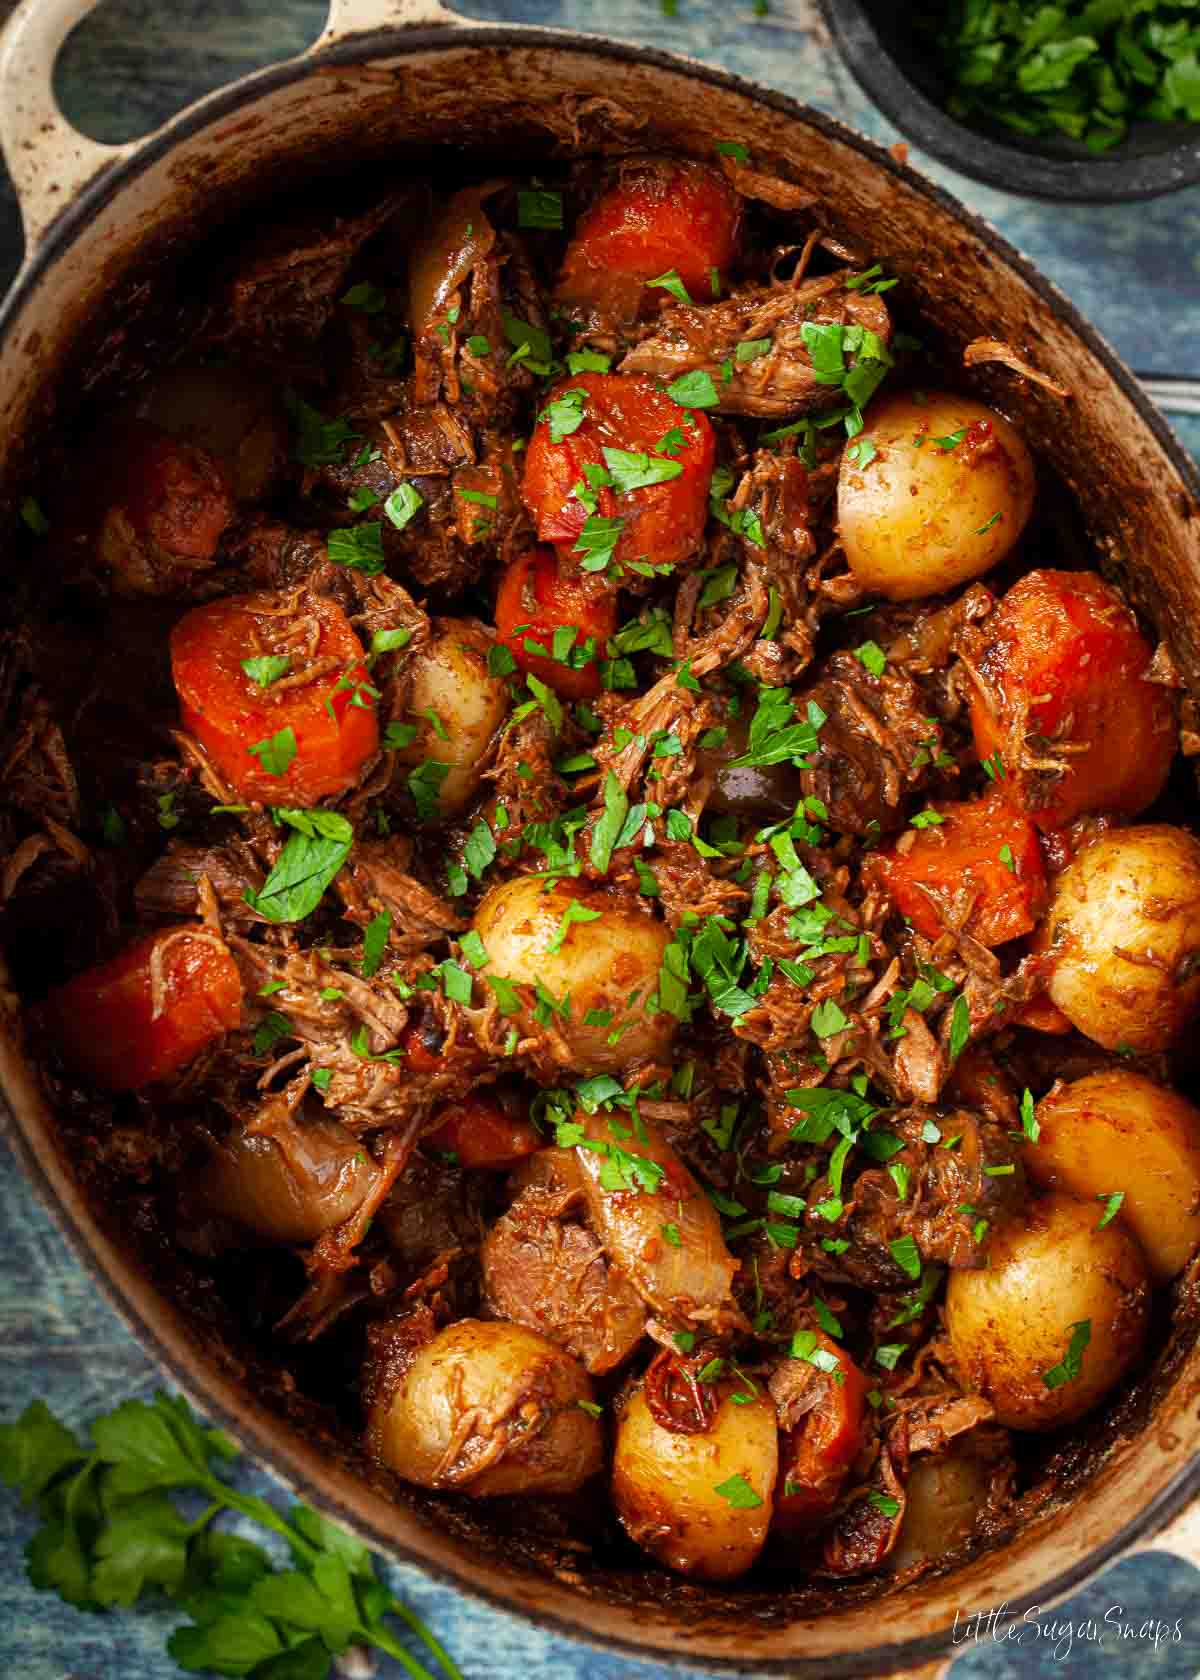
{"points": [[1134, 270]]}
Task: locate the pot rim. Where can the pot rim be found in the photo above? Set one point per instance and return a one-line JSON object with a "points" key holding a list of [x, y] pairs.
{"points": [[53, 243]]}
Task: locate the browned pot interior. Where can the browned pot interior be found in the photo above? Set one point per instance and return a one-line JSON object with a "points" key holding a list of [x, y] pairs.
{"points": [[97, 299]]}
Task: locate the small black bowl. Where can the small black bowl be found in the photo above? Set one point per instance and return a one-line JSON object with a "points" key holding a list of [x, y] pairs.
{"points": [[876, 39]]}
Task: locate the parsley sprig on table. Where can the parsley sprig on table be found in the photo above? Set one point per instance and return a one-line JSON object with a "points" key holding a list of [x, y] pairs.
{"points": [[111, 1532], [1083, 68]]}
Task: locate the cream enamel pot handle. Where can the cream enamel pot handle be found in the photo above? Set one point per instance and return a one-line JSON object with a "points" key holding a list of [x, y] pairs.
{"points": [[49, 161]]}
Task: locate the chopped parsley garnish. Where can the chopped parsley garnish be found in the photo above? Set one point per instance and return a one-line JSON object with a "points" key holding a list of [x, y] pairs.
{"points": [[873, 657], [34, 518], [694, 390], [375, 942], [1112, 1206], [738, 1493], [751, 349], [425, 784], [1029, 1120], [275, 754], [633, 471], [358, 547], [310, 859], [777, 735], [671, 282], [267, 669], [1071, 1363], [588, 361], [539, 208], [401, 505], [598, 541], [565, 413], [960, 1027], [574, 912], [319, 442]]}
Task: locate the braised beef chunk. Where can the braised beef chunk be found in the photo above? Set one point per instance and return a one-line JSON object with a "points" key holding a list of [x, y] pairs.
{"points": [[755, 348], [559, 861]]}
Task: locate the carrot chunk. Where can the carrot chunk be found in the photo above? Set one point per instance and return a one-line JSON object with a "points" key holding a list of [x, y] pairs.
{"points": [[815, 1455], [483, 1131], [632, 454], [1062, 675], [539, 599], [663, 215], [147, 1011], [275, 689], [981, 849]]}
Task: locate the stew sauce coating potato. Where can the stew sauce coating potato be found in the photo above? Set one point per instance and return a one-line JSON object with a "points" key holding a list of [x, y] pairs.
{"points": [[489, 1408], [923, 516], [1011, 1322], [450, 679], [1123, 935], [149, 1010], [230, 711], [662, 214], [666, 1486], [611, 963], [1118, 1130], [1063, 664], [664, 509]]}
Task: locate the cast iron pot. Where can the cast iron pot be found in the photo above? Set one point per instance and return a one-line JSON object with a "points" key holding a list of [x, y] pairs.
{"points": [[104, 225]]}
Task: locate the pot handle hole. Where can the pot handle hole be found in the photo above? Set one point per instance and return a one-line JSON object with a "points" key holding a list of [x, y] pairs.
{"points": [[49, 160]]}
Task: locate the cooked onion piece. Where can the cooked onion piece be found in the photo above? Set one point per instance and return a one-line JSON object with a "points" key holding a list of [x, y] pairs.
{"points": [[606, 962], [944, 1497], [943, 498], [656, 1223], [283, 1178], [457, 707], [489, 1408], [1123, 933], [1057, 1316], [700, 1503], [1118, 1133]]}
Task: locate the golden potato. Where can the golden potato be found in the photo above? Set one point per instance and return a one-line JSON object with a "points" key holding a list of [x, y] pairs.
{"points": [[945, 1495], [288, 1181], [1123, 931], [450, 680], [924, 515], [489, 1408], [1011, 1322], [610, 963], [668, 1487], [1120, 1131]]}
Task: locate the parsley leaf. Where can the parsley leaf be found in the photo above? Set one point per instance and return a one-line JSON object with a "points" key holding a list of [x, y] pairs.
{"points": [[738, 1493], [358, 547], [694, 390], [1071, 1363], [275, 754], [266, 669], [538, 208], [633, 471], [310, 859]]}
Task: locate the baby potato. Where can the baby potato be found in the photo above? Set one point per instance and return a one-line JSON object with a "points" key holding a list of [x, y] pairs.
{"points": [[701, 1504], [1118, 1130], [1123, 934], [924, 513], [945, 1495], [489, 1408], [609, 963], [1013, 1321], [450, 680]]}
